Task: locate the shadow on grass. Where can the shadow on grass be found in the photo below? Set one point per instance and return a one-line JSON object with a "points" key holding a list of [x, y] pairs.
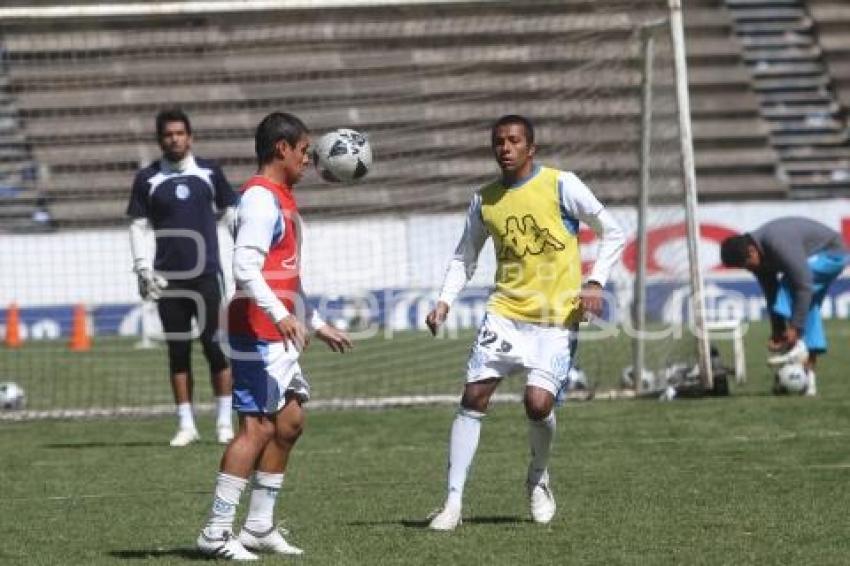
{"points": [[144, 554], [80, 445], [423, 523]]}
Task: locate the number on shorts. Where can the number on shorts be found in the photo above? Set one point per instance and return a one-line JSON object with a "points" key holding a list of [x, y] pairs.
{"points": [[487, 337]]}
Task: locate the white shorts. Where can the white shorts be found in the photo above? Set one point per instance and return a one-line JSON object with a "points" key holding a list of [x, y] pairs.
{"points": [[505, 346], [263, 373]]}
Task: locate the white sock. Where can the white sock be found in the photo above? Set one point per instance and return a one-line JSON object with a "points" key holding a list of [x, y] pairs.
{"points": [[264, 491], [185, 418], [463, 442], [228, 491], [223, 408], [540, 436]]}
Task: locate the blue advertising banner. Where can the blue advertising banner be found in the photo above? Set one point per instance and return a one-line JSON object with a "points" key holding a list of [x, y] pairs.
{"points": [[405, 309]]}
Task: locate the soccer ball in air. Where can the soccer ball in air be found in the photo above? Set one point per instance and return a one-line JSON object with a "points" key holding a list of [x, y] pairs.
{"points": [[792, 378], [12, 396], [342, 155]]}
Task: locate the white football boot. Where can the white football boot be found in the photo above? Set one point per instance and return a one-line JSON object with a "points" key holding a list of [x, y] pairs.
{"points": [[224, 434], [447, 519], [226, 547], [185, 437], [811, 387], [542, 502], [270, 541]]}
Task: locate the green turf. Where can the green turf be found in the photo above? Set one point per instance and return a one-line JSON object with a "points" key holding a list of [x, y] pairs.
{"points": [[749, 479], [114, 373], [744, 480]]}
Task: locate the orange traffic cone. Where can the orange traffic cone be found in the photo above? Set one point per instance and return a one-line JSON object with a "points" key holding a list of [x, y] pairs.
{"points": [[13, 327], [80, 339]]}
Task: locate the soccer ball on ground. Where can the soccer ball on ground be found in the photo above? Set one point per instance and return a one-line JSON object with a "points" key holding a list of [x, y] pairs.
{"points": [[578, 379], [792, 378], [647, 379], [12, 396], [342, 155]]}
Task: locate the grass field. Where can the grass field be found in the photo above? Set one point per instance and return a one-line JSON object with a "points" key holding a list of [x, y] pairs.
{"points": [[749, 479], [115, 374]]}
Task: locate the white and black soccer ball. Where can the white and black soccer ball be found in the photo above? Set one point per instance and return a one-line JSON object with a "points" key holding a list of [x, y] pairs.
{"points": [[792, 378], [647, 379], [343, 155], [12, 396], [578, 379]]}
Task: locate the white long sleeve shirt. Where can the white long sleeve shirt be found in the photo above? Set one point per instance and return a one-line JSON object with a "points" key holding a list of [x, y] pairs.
{"points": [[577, 201], [258, 224]]}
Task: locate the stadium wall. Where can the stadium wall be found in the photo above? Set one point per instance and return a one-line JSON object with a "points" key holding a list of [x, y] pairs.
{"points": [[391, 282]]}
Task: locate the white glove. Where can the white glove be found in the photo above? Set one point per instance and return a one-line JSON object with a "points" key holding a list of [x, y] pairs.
{"points": [[151, 285]]}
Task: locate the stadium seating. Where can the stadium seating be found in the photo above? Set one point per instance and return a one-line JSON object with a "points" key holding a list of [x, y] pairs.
{"points": [[794, 72], [87, 93], [17, 169]]}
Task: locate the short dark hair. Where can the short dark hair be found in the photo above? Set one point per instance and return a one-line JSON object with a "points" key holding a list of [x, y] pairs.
{"points": [[273, 128], [171, 115], [515, 119], [734, 250]]}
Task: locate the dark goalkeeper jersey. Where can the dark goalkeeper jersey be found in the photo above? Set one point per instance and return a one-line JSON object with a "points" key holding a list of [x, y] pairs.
{"points": [[187, 201]]}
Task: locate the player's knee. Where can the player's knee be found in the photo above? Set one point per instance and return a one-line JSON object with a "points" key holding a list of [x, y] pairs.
{"points": [[537, 412], [215, 357], [538, 404], [259, 431], [475, 402], [179, 356], [289, 432], [476, 396]]}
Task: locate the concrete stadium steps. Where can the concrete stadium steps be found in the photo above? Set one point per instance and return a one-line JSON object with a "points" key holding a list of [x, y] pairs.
{"points": [[136, 82], [407, 151], [736, 101], [446, 183], [436, 195], [796, 86], [423, 87], [832, 22], [220, 33], [455, 161], [17, 168]]}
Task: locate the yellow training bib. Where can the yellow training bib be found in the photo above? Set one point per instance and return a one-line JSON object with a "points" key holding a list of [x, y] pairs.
{"points": [[538, 276]]}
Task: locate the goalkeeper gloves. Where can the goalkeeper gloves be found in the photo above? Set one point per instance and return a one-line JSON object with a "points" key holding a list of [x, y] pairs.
{"points": [[151, 285]]}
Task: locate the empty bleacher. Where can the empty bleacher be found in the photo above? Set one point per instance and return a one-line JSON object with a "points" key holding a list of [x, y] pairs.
{"points": [[794, 80], [424, 82]]}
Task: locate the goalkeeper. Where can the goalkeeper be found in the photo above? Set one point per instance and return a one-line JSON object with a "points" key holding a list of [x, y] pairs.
{"points": [[794, 260], [532, 213], [178, 196]]}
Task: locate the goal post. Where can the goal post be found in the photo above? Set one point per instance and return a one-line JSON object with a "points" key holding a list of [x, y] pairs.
{"points": [[675, 25], [677, 32], [425, 81]]}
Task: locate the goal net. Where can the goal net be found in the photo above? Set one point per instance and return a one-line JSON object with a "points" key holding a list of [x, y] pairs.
{"points": [[424, 82]]}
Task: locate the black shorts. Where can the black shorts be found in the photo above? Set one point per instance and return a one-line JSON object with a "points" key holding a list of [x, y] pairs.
{"points": [[183, 300]]}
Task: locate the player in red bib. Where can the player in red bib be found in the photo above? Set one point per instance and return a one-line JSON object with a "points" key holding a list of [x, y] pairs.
{"points": [[268, 323]]}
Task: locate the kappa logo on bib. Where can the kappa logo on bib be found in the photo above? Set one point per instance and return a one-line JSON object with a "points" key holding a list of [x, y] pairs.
{"points": [[525, 238]]}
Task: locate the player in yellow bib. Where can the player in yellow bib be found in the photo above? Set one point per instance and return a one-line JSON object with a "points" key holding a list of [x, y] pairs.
{"points": [[532, 213]]}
